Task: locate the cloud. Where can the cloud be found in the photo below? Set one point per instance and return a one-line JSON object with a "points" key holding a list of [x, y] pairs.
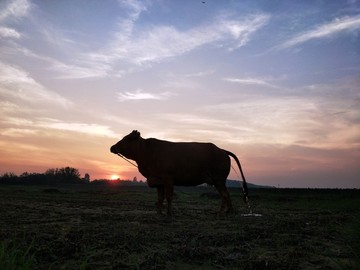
{"points": [[12, 10], [18, 132], [193, 120], [276, 120], [346, 23], [135, 7], [318, 115], [252, 81], [56, 38], [73, 71], [9, 33], [199, 74], [89, 129], [242, 30], [80, 69], [32, 127], [17, 84], [160, 42], [8, 107], [132, 44], [140, 95], [15, 9]]}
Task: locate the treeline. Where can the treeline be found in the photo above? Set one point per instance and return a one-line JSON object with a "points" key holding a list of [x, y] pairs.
{"points": [[106, 182], [66, 175]]}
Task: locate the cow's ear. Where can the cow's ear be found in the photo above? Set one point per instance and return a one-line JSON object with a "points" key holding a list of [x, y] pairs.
{"points": [[135, 134]]}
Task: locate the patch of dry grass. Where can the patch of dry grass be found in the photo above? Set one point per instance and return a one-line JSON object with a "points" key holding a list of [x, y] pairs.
{"points": [[119, 229]]}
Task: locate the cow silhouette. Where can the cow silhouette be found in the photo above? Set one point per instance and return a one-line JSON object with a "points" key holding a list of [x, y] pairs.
{"points": [[167, 164]]}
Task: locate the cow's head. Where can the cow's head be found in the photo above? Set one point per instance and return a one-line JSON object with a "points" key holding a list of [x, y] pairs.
{"points": [[128, 146]]}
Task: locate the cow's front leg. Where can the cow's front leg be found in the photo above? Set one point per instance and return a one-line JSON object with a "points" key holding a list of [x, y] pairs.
{"points": [[161, 195], [169, 192]]}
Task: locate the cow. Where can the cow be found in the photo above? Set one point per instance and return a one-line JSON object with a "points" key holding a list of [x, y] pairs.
{"points": [[167, 164]]}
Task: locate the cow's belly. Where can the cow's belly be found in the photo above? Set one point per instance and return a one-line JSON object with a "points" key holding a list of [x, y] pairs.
{"points": [[181, 179], [155, 181], [189, 182], [187, 173], [197, 179]]}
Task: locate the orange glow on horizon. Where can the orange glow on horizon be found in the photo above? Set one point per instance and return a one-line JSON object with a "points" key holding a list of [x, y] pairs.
{"points": [[114, 177]]}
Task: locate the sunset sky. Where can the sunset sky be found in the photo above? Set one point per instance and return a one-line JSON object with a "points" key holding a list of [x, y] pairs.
{"points": [[275, 82]]}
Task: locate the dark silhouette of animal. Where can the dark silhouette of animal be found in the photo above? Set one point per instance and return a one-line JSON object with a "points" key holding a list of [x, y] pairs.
{"points": [[167, 164]]}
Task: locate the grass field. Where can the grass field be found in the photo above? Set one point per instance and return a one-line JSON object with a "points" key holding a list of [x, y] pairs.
{"points": [[79, 227]]}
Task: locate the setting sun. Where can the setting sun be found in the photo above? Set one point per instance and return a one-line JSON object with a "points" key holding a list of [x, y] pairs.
{"points": [[114, 177]]}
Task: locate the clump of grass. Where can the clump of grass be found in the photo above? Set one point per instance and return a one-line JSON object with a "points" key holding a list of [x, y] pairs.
{"points": [[13, 258]]}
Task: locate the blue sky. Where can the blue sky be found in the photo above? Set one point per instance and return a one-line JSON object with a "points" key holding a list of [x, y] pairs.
{"points": [[276, 82]]}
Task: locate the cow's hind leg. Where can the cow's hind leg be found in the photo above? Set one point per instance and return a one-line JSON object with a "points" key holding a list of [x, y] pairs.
{"points": [[225, 199], [161, 196], [169, 192]]}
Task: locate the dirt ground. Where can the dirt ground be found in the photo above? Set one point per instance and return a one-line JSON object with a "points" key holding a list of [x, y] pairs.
{"points": [[82, 227]]}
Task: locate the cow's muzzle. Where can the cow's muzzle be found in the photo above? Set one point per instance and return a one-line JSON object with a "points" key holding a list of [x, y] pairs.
{"points": [[113, 149]]}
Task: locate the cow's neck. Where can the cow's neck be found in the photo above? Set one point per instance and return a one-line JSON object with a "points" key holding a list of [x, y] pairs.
{"points": [[142, 156], [140, 152]]}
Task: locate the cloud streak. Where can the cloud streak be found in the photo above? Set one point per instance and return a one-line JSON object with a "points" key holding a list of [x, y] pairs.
{"points": [[7, 32], [15, 9], [131, 45], [17, 84], [161, 42], [12, 11], [89, 129], [241, 31], [139, 94], [20, 127], [324, 31], [252, 81]]}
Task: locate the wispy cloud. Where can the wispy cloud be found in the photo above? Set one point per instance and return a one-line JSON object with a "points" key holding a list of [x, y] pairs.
{"points": [[130, 45], [165, 41], [324, 31], [319, 115], [252, 81], [136, 7], [89, 129], [242, 30], [8, 107], [18, 132], [35, 125], [199, 74], [14, 9], [139, 94], [273, 119], [76, 71], [17, 84], [7, 32], [201, 126]]}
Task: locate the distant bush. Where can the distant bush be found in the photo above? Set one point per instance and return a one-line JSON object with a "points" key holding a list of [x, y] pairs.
{"points": [[66, 175]]}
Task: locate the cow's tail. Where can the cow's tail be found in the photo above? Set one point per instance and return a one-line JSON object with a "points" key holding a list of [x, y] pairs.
{"points": [[244, 184]]}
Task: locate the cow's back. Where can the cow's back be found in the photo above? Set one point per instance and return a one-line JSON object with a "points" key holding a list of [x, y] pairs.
{"points": [[187, 163]]}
